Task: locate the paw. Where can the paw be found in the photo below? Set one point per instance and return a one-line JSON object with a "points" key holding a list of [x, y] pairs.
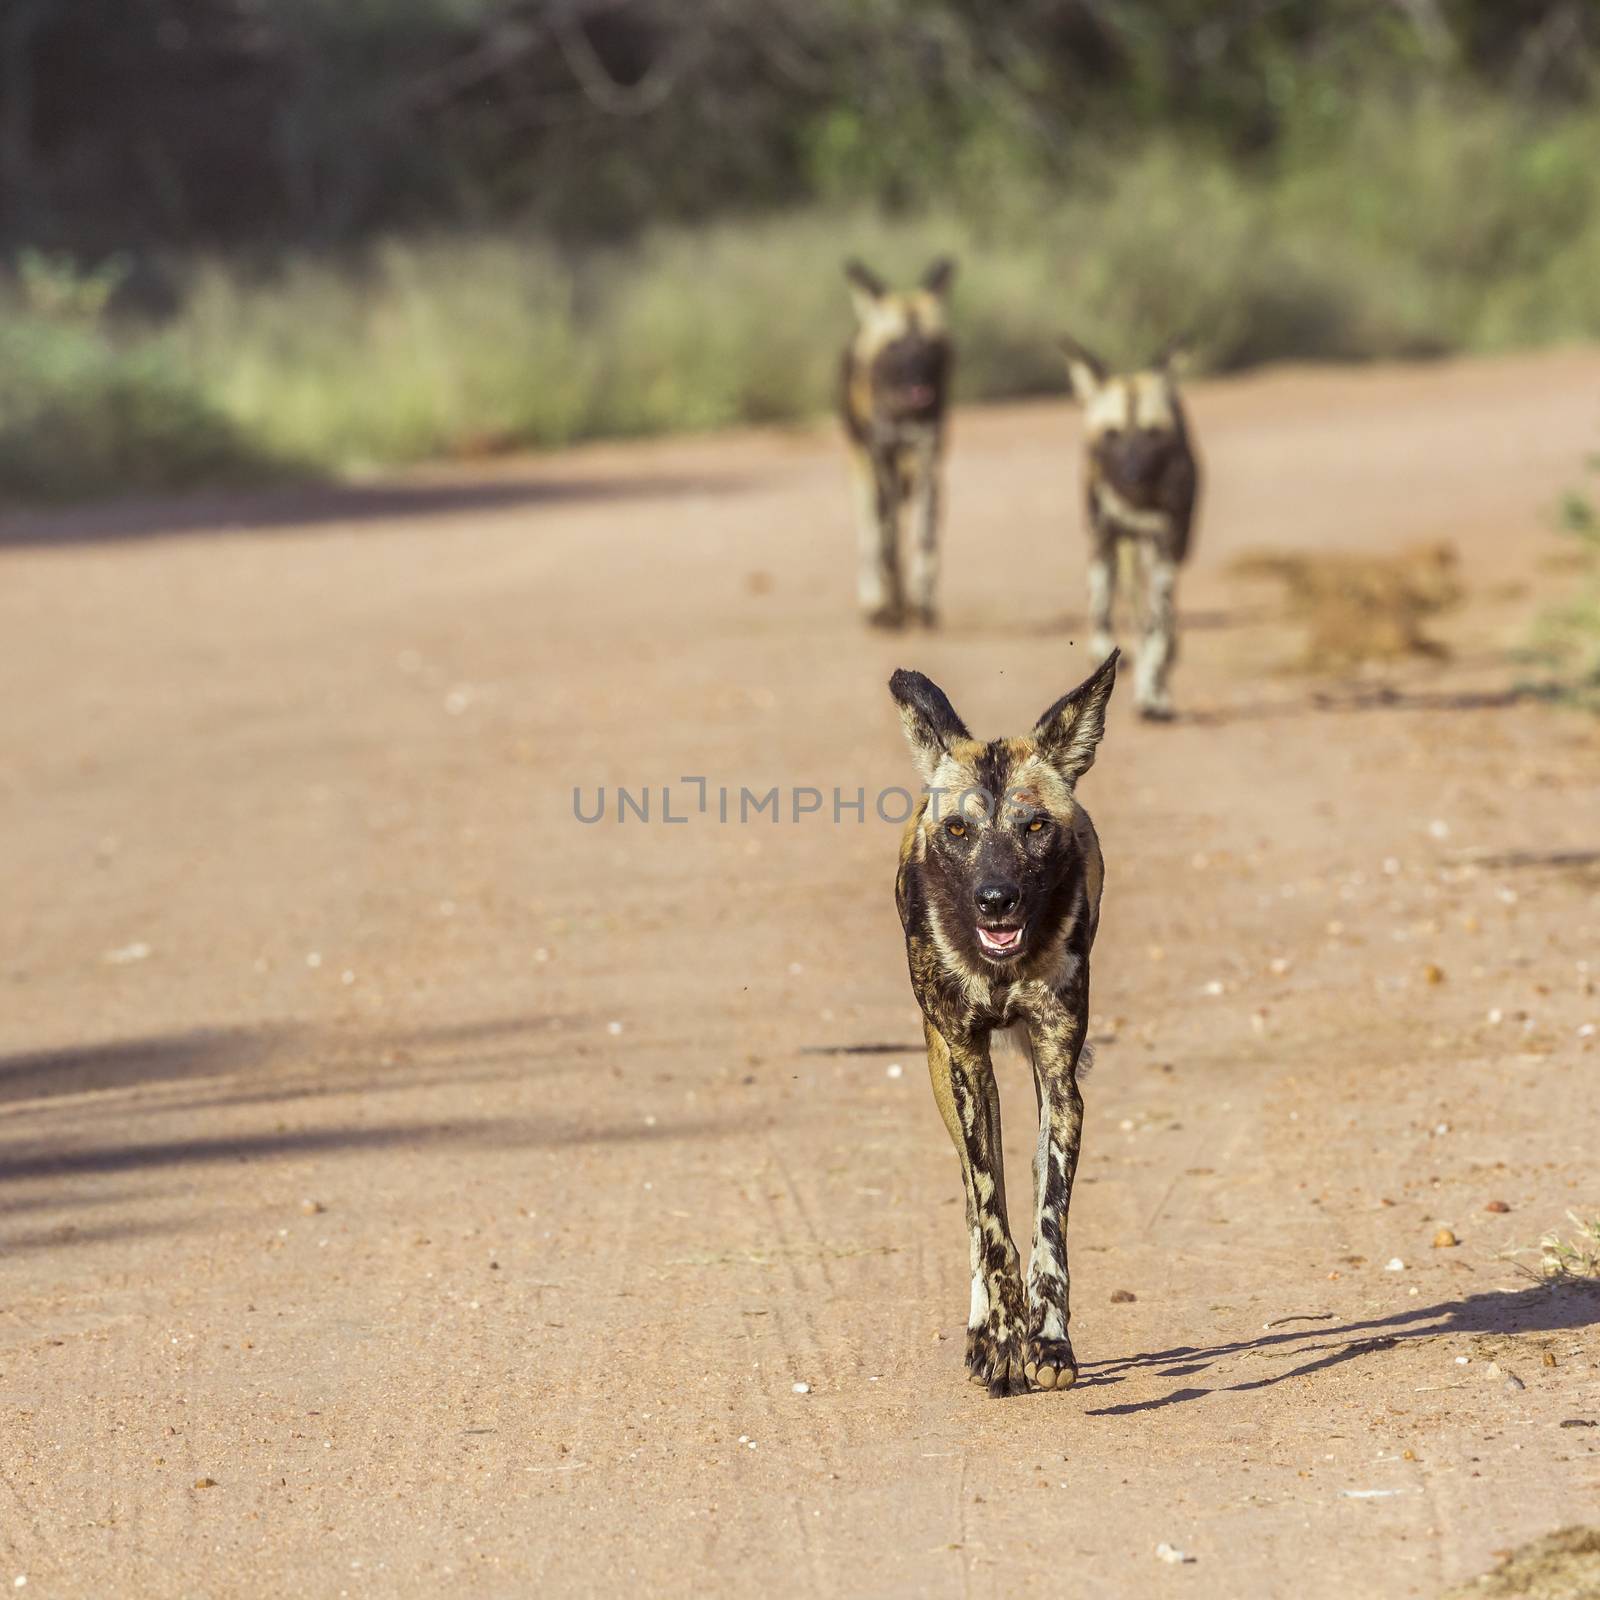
{"points": [[994, 1348], [1049, 1363], [1157, 710], [886, 616], [927, 616]]}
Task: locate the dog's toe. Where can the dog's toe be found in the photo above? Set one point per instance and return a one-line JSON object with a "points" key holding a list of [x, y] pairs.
{"points": [[1051, 1364]]}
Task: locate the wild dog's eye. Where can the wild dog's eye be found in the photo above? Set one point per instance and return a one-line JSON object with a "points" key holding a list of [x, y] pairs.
{"points": [[1037, 825], [956, 828]]}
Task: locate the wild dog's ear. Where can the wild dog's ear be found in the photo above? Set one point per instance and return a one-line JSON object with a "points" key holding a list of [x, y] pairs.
{"points": [[1069, 732], [931, 723], [1085, 369], [866, 287], [936, 280], [1173, 357]]}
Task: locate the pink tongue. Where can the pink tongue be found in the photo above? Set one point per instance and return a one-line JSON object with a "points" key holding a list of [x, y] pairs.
{"points": [[1000, 941]]}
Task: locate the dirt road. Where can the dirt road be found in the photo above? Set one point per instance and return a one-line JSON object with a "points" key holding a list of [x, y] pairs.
{"points": [[404, 1185]]}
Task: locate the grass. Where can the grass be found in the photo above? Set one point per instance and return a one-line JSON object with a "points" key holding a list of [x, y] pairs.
{"points": [[1572, 1260], [1568, 634], [1432, 228], [1563, 1261]]}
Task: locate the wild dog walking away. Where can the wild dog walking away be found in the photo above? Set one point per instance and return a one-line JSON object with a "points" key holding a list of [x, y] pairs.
{"points": [[999, 895], [1142, 480], [893, 391]]}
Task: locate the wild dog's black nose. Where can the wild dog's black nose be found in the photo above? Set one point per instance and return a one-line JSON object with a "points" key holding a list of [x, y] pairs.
{"points": [[998, 899]]}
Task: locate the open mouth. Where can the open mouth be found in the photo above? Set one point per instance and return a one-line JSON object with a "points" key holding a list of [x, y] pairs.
{"points": [[1001, 943]]}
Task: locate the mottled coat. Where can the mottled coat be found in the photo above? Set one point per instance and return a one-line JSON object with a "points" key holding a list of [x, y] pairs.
{"points": [[1142, 482], [998, 891], [894, 384]]}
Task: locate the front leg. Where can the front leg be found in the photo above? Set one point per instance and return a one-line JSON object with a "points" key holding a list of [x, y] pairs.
{"points": [[925, 532], [878, 586], [1057, 1041], [969, 1102], [1102, 582]]}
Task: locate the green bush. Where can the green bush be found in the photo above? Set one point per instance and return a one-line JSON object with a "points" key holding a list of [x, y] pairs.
{"points": [[79, 418], [1407, 230], [1570, 632]]}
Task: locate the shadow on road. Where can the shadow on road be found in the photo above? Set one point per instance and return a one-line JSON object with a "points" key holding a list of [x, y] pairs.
{"points": [[1540, 1309], [50, 1161], [161, 1058], [312, 505], [329, 1062], [72, 1147], [1377, 698]]}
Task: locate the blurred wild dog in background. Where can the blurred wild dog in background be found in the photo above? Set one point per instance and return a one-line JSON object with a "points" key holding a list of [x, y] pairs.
{"points": [[999, 895], [893, 392], [1142, 480]]}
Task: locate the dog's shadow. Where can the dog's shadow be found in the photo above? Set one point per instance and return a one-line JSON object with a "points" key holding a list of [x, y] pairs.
{"points": [[1544, 1308]]}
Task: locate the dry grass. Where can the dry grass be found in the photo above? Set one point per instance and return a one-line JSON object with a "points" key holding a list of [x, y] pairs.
{"points": [[1574, 1260], [1560, 1566]]}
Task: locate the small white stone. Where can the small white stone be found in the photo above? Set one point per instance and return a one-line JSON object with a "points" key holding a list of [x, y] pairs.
{"points": [[313, 958], [1462, 1361], [1439, 829], [895, 1069], [802, 1388], [613, 1027], [1214, 987], [1394, 1264]]}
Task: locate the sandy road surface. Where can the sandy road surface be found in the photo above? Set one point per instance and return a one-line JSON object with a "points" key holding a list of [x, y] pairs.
{"points": [[297, 915]]}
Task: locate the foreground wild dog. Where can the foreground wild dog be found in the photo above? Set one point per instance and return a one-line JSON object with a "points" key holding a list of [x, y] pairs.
{"points": [[893, 387], [1142, 480], [999, 896]]}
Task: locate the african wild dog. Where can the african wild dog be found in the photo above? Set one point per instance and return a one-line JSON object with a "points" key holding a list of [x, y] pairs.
{"points": [[999, 895], [893, 387], [1142, 479]]}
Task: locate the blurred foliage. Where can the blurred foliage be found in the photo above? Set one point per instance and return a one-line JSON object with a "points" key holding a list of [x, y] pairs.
{"points": [[1570, 632], [462, 344], [242, 233], [79, 416], [227, 122]]}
